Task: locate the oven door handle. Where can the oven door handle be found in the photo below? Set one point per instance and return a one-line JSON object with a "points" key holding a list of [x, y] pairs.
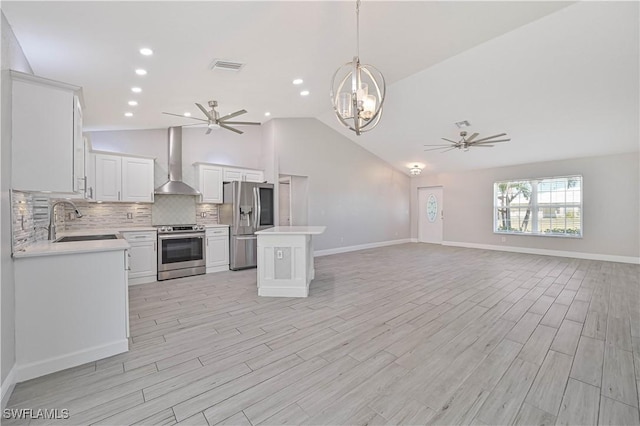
{"points": [[176, 236]]}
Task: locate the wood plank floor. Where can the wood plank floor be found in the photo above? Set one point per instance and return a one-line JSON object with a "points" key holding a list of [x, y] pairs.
{"points": [[407, 334]]}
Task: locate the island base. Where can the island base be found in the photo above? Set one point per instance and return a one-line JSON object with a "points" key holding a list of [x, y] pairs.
{"points": [[285, 265]]}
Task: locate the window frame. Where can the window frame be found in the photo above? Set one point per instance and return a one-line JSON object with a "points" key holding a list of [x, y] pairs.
{"points": [[536, 206]]}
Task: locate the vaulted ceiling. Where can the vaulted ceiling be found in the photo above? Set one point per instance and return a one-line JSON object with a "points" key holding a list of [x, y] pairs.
{"points": [[560, 78]]}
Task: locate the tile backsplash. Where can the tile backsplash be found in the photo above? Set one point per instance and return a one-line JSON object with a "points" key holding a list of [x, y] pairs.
{"points": [[30, 222]]}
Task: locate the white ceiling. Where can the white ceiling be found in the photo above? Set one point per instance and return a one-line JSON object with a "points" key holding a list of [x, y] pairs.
{"points": [[560, 78]]}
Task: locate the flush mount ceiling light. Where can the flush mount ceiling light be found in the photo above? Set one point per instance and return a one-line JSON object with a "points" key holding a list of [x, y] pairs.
{"points": [[415, 170], [357, 91]]}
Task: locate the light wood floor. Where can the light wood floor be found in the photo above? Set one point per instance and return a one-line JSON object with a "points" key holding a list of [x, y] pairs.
{"points": [[409, 334]]}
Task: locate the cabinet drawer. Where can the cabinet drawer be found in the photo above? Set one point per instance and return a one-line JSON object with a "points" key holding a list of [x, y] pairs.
{"points": [[139, 236], [217, 231]]}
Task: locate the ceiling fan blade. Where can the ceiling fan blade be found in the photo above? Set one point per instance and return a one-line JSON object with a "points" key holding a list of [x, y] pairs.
{"points": [[243, 123], [491, 137], [183, 116], [480, 146], [206, 113], [449, 149], [230, 128], [208, 131], [499, 140], [233, 114], [194, 124], [437, 144], [449, 140], [472, 137]]}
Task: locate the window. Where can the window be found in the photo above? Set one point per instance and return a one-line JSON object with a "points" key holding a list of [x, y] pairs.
{"points": [[544, 206]]}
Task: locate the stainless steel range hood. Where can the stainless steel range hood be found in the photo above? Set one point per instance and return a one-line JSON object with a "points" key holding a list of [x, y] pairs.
{"points": [[175, 186]]}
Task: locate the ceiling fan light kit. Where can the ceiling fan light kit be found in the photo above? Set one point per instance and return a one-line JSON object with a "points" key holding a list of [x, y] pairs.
{"points": [[358, 91], [468, 142], [214, 121]]}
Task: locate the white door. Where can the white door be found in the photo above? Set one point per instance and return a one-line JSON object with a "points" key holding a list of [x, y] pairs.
{"points": [[430, 214]]}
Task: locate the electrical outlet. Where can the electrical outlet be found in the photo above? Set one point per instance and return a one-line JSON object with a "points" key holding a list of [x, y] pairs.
{"points": [[203, 214], [279, 254], [129, 215]]}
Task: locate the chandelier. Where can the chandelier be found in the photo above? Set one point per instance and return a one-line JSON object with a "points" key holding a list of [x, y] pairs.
{"points": [[357, 91], [415, 170]]}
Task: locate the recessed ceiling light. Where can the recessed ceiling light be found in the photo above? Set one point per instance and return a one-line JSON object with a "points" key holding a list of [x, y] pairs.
{"points": [[140, 71], [136, 89], [146, 51], [187, 114], [132, 103], [304, 93], [267, 114], [128, 114], [297, 81]]}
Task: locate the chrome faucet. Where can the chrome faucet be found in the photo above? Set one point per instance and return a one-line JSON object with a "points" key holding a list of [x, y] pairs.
{"points": [[52, 225]]}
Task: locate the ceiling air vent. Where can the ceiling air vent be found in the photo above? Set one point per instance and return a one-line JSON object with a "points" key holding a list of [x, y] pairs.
{"points": [[220, 64]]}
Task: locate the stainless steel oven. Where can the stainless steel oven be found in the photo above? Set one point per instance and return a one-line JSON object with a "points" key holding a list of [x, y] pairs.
{"points": [[182, 251]]}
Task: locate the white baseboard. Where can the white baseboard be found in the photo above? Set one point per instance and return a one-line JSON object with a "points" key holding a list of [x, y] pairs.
{"points": [[214, 269], [546, 252], [8, 385], [283, 291], [414, 240], [51, 365], [143, 280], [339, 250]]}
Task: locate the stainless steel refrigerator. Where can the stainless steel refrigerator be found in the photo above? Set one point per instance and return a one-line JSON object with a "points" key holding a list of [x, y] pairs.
{"points": [[247, 208]]}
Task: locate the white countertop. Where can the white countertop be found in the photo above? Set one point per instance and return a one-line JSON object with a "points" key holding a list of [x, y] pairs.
{"points": [[216, 226], [48, 248], [293, 230]]}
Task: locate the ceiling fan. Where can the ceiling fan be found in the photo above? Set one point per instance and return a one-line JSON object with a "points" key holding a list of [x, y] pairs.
{"points": [[214, 121], [468, 142]]}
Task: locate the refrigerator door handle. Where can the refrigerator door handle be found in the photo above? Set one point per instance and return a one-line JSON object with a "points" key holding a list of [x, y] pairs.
{"points": [[236, 207], [259, 204], [256, 213]]}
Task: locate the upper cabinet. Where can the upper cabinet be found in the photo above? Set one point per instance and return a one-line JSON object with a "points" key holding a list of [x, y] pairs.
{"points": [[249, 175], [123, 178], [47, 148], [209, 183]]}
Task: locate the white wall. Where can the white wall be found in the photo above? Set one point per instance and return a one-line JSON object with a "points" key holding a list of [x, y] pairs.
{"points": [[219, 147], [359, 197], [12, 58], [611, 185]]}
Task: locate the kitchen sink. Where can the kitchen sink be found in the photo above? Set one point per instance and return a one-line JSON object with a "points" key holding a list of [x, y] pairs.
{"points": [[73, 238]]}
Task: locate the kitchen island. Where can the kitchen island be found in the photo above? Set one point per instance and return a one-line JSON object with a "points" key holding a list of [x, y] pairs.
{"points": [[285, 260]]}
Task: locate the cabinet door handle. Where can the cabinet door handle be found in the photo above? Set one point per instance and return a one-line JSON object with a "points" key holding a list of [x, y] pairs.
{"points": [[118, 195], [154, 246], [207, 242]]}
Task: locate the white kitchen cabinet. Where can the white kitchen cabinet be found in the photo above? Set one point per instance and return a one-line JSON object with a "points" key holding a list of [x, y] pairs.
{"points": [[217, 249], [46, 123], [62, 323], [232, 174], [143, 256], [122, 178], [209, 183]]}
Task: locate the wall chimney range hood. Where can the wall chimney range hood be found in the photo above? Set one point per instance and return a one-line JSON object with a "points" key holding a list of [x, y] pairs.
{"points": [[175, 186]]}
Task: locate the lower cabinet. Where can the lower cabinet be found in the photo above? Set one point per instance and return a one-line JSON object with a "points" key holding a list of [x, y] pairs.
{"points": [[143, 256], [217, 249]]}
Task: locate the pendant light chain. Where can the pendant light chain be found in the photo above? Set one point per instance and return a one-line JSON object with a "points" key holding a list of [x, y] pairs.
{"points": [[358, 28]]}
